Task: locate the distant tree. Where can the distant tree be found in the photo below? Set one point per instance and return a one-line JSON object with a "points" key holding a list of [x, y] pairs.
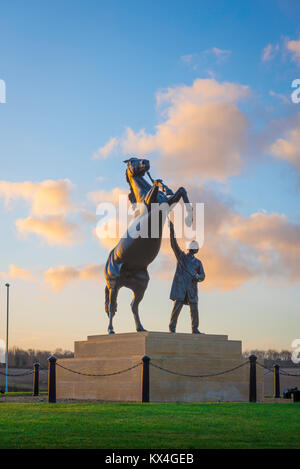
{"points": [[270, 354], [285, 355], [20, 358]]}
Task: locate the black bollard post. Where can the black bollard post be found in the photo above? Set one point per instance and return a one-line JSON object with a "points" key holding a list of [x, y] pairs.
{"points": [[52, 380], [252, 378], [36, 367], [145, 379], [276, 381]]}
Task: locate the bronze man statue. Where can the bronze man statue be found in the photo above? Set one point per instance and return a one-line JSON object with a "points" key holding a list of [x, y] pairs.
{"points": [[184, 290]]}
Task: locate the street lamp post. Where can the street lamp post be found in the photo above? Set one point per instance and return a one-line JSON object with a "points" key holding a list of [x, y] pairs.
{"points": [[7, 317]]}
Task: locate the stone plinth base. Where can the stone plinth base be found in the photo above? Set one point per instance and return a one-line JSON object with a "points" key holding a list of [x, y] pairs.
{"points": [[187, 354]]}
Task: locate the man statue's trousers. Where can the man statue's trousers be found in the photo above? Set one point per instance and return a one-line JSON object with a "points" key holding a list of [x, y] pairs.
{"points": [[178, 304]]}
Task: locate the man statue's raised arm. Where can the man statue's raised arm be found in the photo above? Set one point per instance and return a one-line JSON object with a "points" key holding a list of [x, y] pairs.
{"points": [[176, 249]]}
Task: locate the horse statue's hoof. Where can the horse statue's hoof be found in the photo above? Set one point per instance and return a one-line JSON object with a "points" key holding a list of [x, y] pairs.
{"points": [[111, 331], [141, 329]]}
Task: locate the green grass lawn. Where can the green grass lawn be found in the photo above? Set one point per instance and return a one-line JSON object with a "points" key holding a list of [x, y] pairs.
{"points": [[22, 393], [118, 425]]}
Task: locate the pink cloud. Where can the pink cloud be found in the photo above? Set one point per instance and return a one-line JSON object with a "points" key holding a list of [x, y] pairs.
{"points": [[294, 48], [54, 230], [287, 147], [59, 277], [203, 131], [45, 198], [16, 272]]}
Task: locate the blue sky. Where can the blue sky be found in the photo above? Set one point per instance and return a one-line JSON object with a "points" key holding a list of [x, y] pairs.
{"points": [[77, 74]]}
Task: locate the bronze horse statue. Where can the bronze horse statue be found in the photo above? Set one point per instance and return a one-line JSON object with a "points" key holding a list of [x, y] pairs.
{"points": [[127, 263]]}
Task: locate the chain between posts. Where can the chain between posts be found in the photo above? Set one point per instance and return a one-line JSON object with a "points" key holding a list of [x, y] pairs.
{"points": [[99, 375], [284, 373], [268, 370], [198, 376], [265, 367], [281, 372]]}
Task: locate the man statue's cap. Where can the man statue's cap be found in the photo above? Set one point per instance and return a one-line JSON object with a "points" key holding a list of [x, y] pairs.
{"points": [[193, 245]]}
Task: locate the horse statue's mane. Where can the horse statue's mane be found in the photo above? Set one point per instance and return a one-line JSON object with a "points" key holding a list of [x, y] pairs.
{"points": [[131, 195]]}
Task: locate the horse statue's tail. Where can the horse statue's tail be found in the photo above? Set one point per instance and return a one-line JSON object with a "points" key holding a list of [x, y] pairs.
{"points": [[107, 300]]}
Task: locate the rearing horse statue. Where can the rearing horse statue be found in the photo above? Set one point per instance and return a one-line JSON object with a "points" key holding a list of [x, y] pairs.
{"points": [[127, 263]]}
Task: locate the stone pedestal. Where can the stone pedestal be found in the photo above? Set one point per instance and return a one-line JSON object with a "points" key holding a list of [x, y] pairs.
{"points": [[187, 354]]}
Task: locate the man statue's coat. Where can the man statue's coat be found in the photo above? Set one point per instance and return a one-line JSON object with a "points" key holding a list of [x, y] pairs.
{"points": [[184, 286]]}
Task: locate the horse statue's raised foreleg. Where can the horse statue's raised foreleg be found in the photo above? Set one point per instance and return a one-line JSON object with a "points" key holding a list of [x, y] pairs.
{"points": [[181, 193]]}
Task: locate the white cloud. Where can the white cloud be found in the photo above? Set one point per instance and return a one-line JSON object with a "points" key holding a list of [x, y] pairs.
{"points": [[221, 54], [59, 277], [16, 272], [107, 149], [49, 204], [203, 132], [103, 195], [54, 230], [282, 47], [269, 52], [294, 48], [276, 241], [45, 198], [287, 147], [214, 54], [284, 99]]}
